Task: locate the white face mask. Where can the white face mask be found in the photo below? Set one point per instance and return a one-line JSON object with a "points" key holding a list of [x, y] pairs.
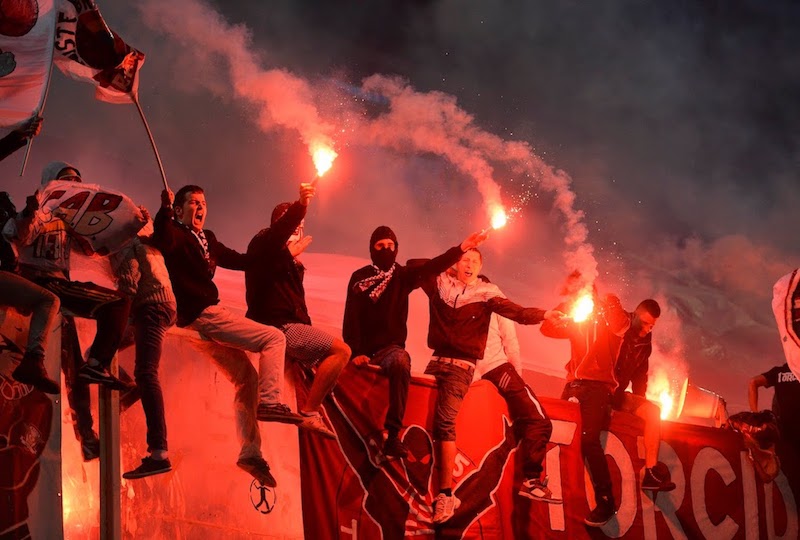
{"points": [[298, 233]]}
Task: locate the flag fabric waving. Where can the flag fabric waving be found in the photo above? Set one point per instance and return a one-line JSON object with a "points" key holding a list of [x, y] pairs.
{"points": [[27, 29], [88, 50]]}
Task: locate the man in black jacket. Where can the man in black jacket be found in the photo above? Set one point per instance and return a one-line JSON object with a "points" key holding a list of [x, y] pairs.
{"points": [[275, 296], [376, 317], [631, 368], [192, 255], [461, 308]]}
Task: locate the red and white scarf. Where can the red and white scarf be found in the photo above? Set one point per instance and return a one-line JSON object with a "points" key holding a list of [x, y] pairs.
{"points": [[379, 280]]}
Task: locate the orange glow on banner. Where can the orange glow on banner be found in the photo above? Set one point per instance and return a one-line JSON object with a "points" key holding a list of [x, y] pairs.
{"points": [[661, 391], [667, 402], [583, 307]]}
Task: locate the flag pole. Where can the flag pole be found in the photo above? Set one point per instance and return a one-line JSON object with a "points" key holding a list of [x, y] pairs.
{"points": [[40, 108], [135, 98]]}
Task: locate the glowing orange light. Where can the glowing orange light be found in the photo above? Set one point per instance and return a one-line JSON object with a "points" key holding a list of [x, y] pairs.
{"points": [[582, 308], [499, 218], [667, 402], [323, 157]]}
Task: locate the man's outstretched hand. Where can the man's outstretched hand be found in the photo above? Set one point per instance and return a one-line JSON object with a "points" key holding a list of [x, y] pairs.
{"points": [[474, 240]]}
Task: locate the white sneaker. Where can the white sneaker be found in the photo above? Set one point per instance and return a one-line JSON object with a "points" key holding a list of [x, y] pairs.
{"points": [[314, 422], [444, 507]]}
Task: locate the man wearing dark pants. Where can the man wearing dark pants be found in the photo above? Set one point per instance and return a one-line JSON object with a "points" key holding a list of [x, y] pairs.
{"points": [[44, 243], [376, 318], [143, 276], [594, 346]]}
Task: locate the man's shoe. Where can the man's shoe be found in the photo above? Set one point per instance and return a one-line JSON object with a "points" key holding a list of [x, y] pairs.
{"points": [[100, 375], [90, 446], [653, 482], [394, 448], [314, 422], [31, 371], [535, 489], [149, 467], [257, 467], [601, 515], [277, 412], [444, 507]]}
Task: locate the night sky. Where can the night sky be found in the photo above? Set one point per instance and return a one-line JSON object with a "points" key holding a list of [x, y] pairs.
{"points": [[677, 123]]}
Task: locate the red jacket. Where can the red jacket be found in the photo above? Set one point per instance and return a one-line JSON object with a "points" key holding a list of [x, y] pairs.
{"points": [[594, 343]]}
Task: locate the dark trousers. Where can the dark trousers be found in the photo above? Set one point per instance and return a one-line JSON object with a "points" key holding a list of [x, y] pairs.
{"points": [[151, 322], [395, 363], [594, 398], [110, 310], [531, 424], [78, 396]]}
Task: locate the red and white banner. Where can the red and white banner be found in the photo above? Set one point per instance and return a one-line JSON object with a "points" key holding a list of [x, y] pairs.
{"points": [[27, 28], [350, 493], [783, 306], [30, 441], [88, 50], [103, 220]]}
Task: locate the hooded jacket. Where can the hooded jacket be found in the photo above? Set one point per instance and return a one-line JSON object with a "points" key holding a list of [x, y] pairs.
{"points": [[274, 278], [42, 239], [594, 343], [633, 362]]}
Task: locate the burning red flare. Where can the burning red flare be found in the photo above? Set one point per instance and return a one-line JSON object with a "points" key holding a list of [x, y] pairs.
{"points": [[499, 218], [323, 157], [583, 307]]}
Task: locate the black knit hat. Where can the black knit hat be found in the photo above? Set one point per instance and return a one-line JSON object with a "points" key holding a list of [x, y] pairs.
{"points": [[381, 233]]}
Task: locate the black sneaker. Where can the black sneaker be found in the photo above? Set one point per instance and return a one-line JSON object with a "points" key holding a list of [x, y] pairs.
{"points": [[149, 467], [601, 515], [31, 371], [277, 412], [90, 446], [100, 375], [257, 468], [394, 448], [653, 481]]}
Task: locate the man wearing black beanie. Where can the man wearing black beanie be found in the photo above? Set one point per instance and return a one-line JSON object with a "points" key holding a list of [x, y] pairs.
{"points": [[376, 314]]}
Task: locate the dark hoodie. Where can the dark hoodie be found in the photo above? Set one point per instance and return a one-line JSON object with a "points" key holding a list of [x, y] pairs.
{"points": [[274, 278], [370, 326]]}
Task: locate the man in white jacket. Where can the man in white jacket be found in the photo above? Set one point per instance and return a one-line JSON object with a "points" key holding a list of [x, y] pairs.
{"points": [[501, 365]]}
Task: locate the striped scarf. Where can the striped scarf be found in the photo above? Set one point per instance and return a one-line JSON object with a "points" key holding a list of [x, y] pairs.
{"points": [[379, 280]]}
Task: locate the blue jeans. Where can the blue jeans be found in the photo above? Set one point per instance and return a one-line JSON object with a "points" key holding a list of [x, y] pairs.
{"points": [[395, 363], [453, 383], [151, 322]]}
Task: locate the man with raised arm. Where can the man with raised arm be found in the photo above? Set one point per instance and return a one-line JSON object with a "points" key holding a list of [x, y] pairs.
{"points": [[192, 255], [460, 308], [376, 317]]}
